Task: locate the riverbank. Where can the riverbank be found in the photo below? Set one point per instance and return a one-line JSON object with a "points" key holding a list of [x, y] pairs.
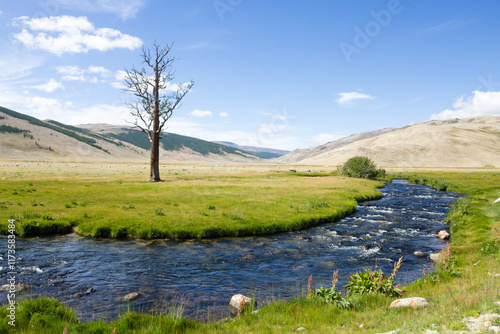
{"points": [[191, 203], [466, 286]]}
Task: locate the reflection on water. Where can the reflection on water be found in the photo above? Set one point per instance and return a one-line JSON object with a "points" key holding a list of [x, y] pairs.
{"points": [[204, 274]]}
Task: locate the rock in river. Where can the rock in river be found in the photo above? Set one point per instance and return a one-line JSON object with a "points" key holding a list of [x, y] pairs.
{"points": [[130, 297]]}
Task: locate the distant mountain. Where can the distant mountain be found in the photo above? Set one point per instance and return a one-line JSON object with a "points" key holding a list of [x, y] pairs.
{"points": [[472, 142], [28, 138], [264, 153]]}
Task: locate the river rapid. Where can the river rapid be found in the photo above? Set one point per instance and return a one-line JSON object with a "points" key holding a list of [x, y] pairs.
{"points": [[202, 275]]}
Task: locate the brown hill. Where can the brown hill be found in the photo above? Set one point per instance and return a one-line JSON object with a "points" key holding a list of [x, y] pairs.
{"points": [[473, 142]]}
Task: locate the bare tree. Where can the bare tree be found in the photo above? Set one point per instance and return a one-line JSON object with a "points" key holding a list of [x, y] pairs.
{"points": [[155, 98]]}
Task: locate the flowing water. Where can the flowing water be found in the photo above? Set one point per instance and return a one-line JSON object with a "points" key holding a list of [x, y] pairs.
{"points": [[202, 275]]}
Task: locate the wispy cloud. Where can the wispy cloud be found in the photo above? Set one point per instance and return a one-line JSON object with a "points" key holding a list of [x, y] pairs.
{"points": [[90, 74], [323, 138], [224, 114], [350, 98], [50, 86], [201, 113], [479, 104], [70, 34], [124, 8], [449, 25]]}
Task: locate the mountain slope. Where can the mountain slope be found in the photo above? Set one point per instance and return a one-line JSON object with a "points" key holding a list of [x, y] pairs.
{"points": [[262, 152], [28, 138], [473, 142], [299, 155]]}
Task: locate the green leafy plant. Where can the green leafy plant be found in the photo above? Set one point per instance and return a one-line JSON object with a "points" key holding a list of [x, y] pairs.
{"points": [[361, 167], [374, 282], [328, 295], [159, 212]]}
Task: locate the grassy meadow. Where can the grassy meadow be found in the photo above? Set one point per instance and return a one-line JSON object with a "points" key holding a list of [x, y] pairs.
{"points": [[464, 283], [190, 203]]}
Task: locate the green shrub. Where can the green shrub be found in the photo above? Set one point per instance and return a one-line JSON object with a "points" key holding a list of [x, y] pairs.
{"points": [[43, 312], [361, 167], [159, 212], [374, 282], [48, 217], [328, 295]]}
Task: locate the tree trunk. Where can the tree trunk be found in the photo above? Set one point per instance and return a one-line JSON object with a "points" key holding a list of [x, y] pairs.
{"points": [[154, 172], [154, 169]]}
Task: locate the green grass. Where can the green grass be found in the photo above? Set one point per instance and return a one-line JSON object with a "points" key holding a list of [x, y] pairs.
{"points": [[184, 206], [463, 286]]}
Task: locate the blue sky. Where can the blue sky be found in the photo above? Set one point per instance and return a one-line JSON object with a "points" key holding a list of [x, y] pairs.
{"points": [[284, 74]]}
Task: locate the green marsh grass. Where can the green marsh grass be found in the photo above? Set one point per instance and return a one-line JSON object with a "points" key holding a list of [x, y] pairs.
{"points": [[184, 206]]}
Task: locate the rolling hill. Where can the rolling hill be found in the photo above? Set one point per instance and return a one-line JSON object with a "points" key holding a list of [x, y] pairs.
{"points": [[472, 142], [24, 137]]}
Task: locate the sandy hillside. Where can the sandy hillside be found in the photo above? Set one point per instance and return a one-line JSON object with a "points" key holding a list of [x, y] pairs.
{"points": [[473, 142]]}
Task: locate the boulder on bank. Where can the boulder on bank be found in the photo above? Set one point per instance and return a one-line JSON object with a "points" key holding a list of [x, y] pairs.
{"points": [[414, 302], [435, 257], [443, 235], [239, 303]]}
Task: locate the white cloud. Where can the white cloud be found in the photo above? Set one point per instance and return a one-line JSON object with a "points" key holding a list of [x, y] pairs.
{"points": [[350, 98], [449, 25], [99, 70], [323, 138], [120, 77], [70, 34], [71, 73], [224, 114], [45, 107], [101, 113], [124, 8], [51, 86], [201, 113], [75, 73], [479, 104]]}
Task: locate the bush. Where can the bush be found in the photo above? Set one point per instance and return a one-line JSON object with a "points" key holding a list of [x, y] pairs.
{"points": [[328, 295], [361, 167], [373, 282]]}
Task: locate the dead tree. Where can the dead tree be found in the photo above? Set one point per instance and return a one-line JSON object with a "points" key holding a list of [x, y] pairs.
{"points": [[155, 98]]}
